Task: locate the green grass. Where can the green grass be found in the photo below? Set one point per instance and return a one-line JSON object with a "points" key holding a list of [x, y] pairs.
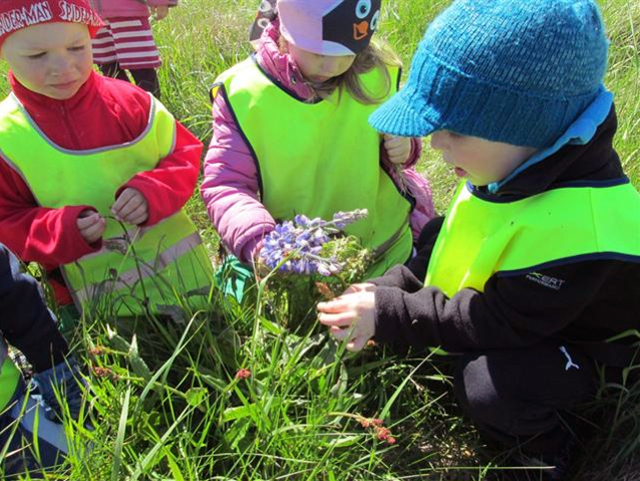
{"points": [[168, 404]]}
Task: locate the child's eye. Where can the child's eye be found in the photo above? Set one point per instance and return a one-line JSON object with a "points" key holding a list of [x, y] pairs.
{"points": [[36, 55], [79, 48]]}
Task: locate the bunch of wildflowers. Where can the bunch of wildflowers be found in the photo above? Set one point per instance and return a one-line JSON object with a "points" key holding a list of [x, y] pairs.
{"points": [[299, 246], [315, 261]]}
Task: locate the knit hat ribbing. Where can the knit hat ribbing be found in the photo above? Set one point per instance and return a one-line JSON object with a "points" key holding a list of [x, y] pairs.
{"points": [[18, 14], [503, 70]]}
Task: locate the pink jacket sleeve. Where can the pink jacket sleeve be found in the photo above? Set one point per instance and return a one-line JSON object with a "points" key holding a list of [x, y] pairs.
{"points": [[230, 187]]}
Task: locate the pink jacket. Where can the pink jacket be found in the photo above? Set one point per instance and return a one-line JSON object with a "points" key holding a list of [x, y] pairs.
{"points": [[230, 186], [128, 8]]}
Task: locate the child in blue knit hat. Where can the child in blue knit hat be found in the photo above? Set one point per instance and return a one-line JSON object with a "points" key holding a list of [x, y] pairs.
{"points": [[536, 264]]}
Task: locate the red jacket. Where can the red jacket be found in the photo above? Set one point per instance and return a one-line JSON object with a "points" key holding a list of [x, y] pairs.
{"points": [[103, 112]]}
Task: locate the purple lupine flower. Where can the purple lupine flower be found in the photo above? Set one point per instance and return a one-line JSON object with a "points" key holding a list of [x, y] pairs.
{"points": [[299, 243], [343, 219]]}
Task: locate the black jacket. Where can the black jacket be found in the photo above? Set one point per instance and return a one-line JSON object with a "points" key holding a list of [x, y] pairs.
{"points": [[25, 321], [596, 299]]}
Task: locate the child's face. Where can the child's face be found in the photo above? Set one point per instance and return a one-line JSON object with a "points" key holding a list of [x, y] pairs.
{"points": [[481, 161], [52, 59], [320, 68]]}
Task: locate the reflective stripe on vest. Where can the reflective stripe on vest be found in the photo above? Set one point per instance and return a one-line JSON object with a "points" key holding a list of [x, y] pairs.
{"points": [[9, 377], [321, 158], [480, 238], [155, 261]]}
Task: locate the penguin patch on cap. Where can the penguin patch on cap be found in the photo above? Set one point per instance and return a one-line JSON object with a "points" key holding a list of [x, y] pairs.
{"points": [[352, 23]]}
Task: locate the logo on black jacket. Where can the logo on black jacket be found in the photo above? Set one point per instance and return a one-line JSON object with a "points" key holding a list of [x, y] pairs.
{"points": [[546, 281]]}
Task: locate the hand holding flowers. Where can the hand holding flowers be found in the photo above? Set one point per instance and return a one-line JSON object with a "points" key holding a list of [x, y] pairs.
{"points": [[309, 260], [351, 317]]}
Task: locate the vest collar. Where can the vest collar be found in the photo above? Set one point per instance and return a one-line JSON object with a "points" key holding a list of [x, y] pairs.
{"points": [[39, 105]]}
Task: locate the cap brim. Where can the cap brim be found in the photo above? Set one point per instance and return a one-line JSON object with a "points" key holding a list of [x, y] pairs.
{"points": [[396, 117]]}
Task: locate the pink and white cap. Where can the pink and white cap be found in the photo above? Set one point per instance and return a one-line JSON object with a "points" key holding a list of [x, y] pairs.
{"points": [[329, 27]]}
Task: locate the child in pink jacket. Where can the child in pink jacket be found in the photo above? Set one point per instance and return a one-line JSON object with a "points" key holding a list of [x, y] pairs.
{"points": [[126, 41], [232, 179]]}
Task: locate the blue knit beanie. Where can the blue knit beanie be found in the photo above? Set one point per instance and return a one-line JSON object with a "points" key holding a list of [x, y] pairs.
{"points": [[512, 71]]}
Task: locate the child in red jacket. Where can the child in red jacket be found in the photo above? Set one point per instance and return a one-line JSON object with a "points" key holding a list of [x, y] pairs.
{"points": [[93, 172]]}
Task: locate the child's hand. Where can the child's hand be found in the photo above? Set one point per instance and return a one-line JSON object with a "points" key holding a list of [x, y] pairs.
{"points": [[131, 207], [91, 225], [160, 11], [398, 148], [351, 317], [362, 287]]}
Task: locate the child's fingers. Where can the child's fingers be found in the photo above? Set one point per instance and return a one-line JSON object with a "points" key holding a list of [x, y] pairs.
{"points": [[357, 344], [123, 199], [86, 221], [362, 287], [128, 206], [338, 333], [93, 232], [338, 304], [138, 216], [342, 319]]}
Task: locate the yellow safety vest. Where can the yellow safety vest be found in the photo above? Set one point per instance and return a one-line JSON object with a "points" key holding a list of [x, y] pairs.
{"points": [[9, 376], [137, 268], [481, 238], [320, 158]]}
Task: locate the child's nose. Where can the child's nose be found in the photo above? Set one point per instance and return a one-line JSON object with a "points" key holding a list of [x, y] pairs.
{"points": [[59, 64]]}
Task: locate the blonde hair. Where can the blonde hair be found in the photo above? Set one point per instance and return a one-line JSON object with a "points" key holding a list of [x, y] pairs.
{"points": [[377, 55]]}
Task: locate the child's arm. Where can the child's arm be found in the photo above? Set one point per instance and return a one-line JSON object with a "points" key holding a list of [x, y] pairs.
{"points": [[160, 8], [513, 311], [230, 188], [399, 156], [351, 317], [26, 323], [396, 150], [168, 187], [48, 236]]}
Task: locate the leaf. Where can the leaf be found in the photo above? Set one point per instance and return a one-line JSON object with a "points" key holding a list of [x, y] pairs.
{"points": [[340, 387], [238, 412], [272, 327], [237, 432], [175, 469], [116, 341], [122, 426], [344, 441], [216, 383], [138, 364], [196, 395]]}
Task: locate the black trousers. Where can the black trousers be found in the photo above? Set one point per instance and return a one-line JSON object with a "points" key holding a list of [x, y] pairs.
{"points": [[520, 397], [146, 78]]}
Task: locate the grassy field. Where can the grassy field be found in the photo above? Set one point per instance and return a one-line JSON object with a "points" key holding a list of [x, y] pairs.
{"points": [[171, 403]]}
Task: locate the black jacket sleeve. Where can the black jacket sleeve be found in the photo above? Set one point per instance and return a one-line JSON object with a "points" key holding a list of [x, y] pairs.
{"points": [[411, 277], [25, 321], [582, 301]]}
